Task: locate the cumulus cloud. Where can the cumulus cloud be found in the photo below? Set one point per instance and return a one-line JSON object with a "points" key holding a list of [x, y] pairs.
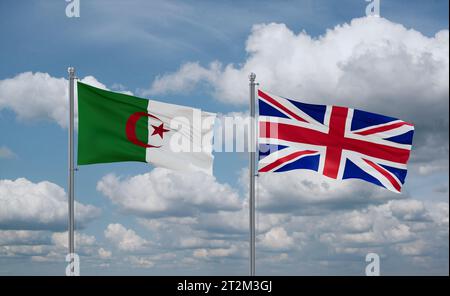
{"points": [[104, 254], [370, 63], [214, 253], [24, 250], [236, 223], [60, 239], [277, 239], [39, 96], [409, 210], [390, 224], [35, 95], [349, 62], [308, 193], [407, 230], [140, 261], [185, 79], [23, 237], [124, 239], [43, 246], [25, 205], [313, 224], [167, 193]]}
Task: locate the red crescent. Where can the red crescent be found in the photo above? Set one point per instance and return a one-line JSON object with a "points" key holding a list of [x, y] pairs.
{"points": [[131, 129]]}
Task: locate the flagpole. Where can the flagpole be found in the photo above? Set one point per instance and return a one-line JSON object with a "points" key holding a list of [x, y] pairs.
{"points": [[71, 198], [252, 150]]}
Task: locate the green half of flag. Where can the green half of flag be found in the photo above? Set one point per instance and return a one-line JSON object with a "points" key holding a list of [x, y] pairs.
{"points": [[102, 123]]}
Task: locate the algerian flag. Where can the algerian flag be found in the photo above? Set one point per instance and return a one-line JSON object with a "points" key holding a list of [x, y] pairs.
{"points": [[115, 127]]}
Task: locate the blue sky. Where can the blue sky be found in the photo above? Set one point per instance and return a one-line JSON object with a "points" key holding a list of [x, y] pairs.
{"points": [[131, 45]]}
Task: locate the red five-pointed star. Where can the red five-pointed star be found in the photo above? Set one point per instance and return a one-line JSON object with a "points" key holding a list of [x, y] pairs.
{"points": [[159, 130]]}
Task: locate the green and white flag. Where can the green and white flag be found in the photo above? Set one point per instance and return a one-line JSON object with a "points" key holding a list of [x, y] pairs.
{"points": [[115, 127]]}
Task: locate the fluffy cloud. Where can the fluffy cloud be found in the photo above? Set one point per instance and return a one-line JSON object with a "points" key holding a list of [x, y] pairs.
{"points": [[167, 193], [407, 232], [38, 206], [39, 96], [308, 193], [346, 237], [43, 246], [355, 61], [60, 239], [140, 262], [236, 223], [305, 220], [23, 237], [124, 239], [185, 79], [35, 95], [409, 210], [85, 245], [214, 253], [277, 239], [370, 63], [104, 254]]}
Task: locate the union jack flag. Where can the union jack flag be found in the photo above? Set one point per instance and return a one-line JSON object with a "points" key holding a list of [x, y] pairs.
{"points": [[338, 142]]}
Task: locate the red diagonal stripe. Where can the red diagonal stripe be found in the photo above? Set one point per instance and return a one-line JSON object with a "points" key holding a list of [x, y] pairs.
{"points": [[384, 173], [382, 128], [287, 158], [276, 103]]}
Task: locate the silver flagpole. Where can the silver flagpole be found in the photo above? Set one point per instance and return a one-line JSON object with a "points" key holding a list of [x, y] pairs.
{"points": [[71, 199], [252, 149]]}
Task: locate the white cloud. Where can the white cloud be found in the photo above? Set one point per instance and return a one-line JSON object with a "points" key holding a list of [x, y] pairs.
{"points": [[185, 79], [350, 61], [61, 240], [35, 96], [321, 221], [237, 223], [382, 227], [140, 262], [124, 239], [355, 221], [104, 254], [168, 193], [6, 153], [439, 213], [39, 96], [149, 261], [213, 253], [306, 192], [24, 250], [409, 210], [371, 64], [43, 246], [23, 237], [415, 248], [277, 239], [27, 205]]}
